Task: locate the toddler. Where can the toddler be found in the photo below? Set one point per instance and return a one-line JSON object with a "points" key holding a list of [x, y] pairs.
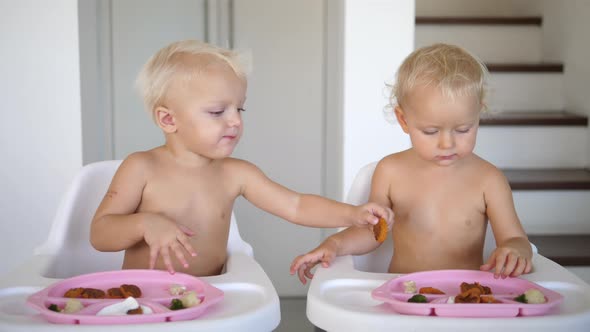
{"points": [[166, 205], [442, 194]]}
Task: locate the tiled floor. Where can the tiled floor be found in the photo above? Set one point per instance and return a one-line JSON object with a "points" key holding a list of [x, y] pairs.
{"points": [[293, 318]]}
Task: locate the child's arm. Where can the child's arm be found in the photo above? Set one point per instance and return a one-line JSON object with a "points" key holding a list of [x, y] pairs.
{"points": [[116, 225], [513, 253], [304, 209], [351, 241]]}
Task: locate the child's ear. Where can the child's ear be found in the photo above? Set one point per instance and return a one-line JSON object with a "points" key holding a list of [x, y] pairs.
{"points": [[165, 119], [401, 118]]}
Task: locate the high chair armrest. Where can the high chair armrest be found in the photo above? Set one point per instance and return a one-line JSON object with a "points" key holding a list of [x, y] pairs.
{"points": [[29, 273]]}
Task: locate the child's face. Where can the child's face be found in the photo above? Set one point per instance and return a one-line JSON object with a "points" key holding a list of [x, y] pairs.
{"points": [[442, 129], [207, 111]]}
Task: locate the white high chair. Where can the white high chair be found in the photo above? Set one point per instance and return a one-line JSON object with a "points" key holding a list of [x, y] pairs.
{"points": [[250, 301], [339, 297]]}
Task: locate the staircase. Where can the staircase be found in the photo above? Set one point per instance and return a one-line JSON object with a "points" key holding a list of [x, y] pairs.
{"points": [[541, 147]]}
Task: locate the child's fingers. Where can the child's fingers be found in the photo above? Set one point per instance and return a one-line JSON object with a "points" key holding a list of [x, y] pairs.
{"points": [[296, 264], [500, 262], [166, 256], [489, 264], [301, 273], [510, 265], [520, 267], [176, 248], [154, 251], [370, 218], [308, 273], [186, 244], [185, 230]]}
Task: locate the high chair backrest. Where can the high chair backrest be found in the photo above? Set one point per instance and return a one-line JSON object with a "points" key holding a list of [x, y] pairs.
{"points": [[379, 259], [69, 237]]}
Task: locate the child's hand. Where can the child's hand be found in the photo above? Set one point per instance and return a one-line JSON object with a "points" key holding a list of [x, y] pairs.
{"points": [[303, 264], [163, 235], [507, 262], [369, 214]]}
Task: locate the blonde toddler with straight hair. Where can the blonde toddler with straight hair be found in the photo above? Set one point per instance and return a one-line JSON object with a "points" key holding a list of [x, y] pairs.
{"points": [[170, 207]]}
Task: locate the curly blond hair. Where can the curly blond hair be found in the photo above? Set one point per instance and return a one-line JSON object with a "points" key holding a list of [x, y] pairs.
{"points": [[451, 68]]}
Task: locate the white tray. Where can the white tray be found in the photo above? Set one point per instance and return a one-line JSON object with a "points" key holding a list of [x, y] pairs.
{"points": [[248, 305], [339, 299]]}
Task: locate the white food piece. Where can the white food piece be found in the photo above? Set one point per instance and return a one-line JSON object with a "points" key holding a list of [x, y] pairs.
{"points": [[451, 300], [121, 308], [409, 287], [177, 289], [534, 296], [72, 306], [190, 299]]}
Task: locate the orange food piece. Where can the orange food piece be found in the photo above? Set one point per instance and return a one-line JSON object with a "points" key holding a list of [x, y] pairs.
{"points": [[380, 230], [483, 289], [471, 295], [74, 293], [114, 293], [130, 290], [430, 290], [93, 293]]}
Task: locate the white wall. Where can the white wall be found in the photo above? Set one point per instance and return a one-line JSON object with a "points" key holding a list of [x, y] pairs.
{"points": [[576, 52], [378, 35], [40, 137]]}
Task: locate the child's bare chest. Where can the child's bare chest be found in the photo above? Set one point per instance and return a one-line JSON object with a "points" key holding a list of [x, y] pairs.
{"points": [[440, 206], [192, 200]]}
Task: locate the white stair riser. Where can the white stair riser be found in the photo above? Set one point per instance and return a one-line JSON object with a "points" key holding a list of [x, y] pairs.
{"points": [[553, 212], [491, 43], [525, 91], [479, 8], [533, 147]]}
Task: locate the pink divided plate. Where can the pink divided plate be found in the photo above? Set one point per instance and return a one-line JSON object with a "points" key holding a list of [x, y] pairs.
{"points": [[155, 288], [449, 281]]}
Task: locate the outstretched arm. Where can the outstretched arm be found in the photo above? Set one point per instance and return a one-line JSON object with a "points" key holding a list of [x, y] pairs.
{"points": [[305, 209], [351, 241], [513, 254]]}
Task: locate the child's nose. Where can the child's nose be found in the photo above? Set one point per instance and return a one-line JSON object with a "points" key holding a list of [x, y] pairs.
{"points": [[446, 140], [234, 118]]}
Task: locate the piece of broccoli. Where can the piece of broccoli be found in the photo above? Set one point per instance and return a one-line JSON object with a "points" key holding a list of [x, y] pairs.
{"points": [[53, 307], [521, 298], [418, 298], [176, 304]]}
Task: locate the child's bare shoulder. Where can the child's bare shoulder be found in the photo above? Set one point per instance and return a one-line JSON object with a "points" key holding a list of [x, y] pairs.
{"points": [[238, 167], [394, 161], [486, 170], [141, 160]]}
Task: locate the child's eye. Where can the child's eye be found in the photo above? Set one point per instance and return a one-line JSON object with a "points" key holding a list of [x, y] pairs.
{"points": [[217, 113], [429, 132], [241, 109], [463, 131]]}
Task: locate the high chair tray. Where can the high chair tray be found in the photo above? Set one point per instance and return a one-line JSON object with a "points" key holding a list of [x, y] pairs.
{"points": [[155, 294], [503, 292]]}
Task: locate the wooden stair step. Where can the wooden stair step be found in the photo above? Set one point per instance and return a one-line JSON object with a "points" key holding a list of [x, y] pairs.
{"points": [[548, 179], [479, 20], [533, 118], [565, 250], [542, 67]]}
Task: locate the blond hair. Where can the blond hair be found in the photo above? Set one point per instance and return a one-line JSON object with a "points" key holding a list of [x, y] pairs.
{"points": [[452, 69], [183, 59]]}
